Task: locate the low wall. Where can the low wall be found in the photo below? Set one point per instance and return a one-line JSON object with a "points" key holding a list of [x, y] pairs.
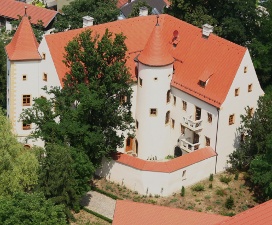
{"points": [[159, 178]]}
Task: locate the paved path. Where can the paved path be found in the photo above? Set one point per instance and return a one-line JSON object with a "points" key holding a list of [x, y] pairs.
{"points": [[99, 203]]}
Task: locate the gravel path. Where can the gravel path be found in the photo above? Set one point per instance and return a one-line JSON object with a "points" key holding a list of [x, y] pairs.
{"points": [[99, 203]]}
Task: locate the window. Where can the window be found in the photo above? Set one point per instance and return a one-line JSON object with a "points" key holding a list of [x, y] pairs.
{"points": [[184, 175], [208, 141], [250, 112], [26, 100], [209, 118], [175, 100], [249, 88], [24, 77], [237, 90], [141, 82], [155, 78], [184, 105], [167, 117], [44, 76], [153, 112], [231, 119], [173, 123], [245, 69], [43, 55], [182, 129], [242, 137], [168, 96], [198, 113], [202, 83], [137, 124], [123, 99], [26, 126]]}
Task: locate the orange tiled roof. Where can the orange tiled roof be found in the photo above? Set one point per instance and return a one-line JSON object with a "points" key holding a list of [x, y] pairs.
{"points": [[134, 213], [23, 45], [259, 215], [193, 54], [120, 3], [156, 51], [169, 166], [11, 9]]}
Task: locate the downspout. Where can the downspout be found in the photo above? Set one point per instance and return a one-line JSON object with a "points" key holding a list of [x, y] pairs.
{"points": [[216, 139]]}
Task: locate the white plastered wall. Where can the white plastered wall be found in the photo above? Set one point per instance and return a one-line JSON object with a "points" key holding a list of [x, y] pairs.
{"points": [[156, 183], [228, 137]]}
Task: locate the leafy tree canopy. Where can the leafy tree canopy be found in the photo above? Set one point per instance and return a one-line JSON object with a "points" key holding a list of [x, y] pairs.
{"points": [[102, 11], [3, 74], [31, 209], [136, 8], [18, 166]]}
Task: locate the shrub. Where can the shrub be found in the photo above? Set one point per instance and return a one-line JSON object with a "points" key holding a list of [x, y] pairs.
{"points": [[198, 187], [225, 179], [169, 157], [211, 177], [229, 202], [210, 185], [220, 192], [236, 176], [182, 193]]}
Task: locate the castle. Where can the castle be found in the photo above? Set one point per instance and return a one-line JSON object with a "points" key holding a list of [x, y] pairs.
{"points": [[190, 88]]}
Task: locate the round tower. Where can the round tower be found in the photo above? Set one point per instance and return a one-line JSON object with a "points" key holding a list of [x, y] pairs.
{"points": [[155, 68]]}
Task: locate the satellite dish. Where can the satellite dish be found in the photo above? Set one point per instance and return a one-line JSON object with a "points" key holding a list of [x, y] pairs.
{"points": [[175, 34]]}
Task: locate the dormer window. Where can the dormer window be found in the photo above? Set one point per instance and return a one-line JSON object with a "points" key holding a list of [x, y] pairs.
{"points": [[202, 83], [204, 78]]}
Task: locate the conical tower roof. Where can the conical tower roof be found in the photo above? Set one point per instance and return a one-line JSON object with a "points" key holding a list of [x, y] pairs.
{"points": [[155, 52], [24, 45]]}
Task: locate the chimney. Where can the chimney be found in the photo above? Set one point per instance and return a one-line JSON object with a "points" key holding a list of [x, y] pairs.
{"points": [[207, 29], [87, 21], [143, 11]]}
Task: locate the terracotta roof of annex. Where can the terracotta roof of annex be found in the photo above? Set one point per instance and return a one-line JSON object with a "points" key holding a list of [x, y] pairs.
{"points": [[168, 166], [24, 45], [11, 9], [193, 54], [134, 213]]}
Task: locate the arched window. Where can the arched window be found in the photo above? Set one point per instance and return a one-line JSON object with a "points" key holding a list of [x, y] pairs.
{"points": [[167, 117], [168, 96]]}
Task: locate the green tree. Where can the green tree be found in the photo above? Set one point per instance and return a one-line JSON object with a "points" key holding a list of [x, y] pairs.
{"points": [[64, 175], [102, 11], [18, 165], [136, 8], [31, 209], [3, 75]]}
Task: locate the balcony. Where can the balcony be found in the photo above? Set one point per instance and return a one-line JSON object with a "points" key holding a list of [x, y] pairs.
{"points": [[194, 125], [186, 145]]}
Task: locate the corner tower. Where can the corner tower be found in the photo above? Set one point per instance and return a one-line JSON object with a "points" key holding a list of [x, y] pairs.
{"points": [[155, 66], [23, 61]]}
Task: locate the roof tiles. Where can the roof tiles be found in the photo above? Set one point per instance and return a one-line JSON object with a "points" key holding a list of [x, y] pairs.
{"points": [[11, 9], [134, 213], [24, 45], [193, 54], [168, 166]]}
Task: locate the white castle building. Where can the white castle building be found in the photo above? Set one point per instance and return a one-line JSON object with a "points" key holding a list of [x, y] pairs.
{"points": [[190, 89]]}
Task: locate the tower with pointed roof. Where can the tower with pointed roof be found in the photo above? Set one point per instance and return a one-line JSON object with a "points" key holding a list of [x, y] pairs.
{"points": [[23, 80], [155, 66]]}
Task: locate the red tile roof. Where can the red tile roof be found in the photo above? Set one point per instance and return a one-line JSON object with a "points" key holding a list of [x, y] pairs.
{"points": [[23, 45], [156, 51], [11, 9], [193, 54], [120, 3], [259, 215], [133, 213], [168, 166]]}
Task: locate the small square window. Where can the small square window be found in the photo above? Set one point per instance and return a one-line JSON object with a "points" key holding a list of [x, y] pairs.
{"points": [[231, 119], [237, 90], [44, 76], [43, 56], [167, 117], [168, 96], [184, 175], [140, 81], [245, 69], [155, 78], [182, 129], [250, 88], [250, 112], [153, 112], [173, 123], [26, 126], [123, 99], [26, 100], [137, 124], [209, 118], [175, 100], [24, 77], [184, 105], [208, 141]]}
